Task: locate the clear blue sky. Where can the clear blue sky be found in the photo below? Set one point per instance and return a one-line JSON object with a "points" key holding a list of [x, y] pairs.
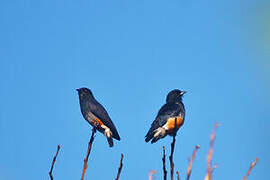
{"points": [[131, 54]]}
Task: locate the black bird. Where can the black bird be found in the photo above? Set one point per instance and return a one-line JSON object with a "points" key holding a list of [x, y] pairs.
{"points": [[170, 112], [95, 114]]}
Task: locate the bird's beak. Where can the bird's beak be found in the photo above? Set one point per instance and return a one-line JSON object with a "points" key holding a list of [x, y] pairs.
{"points": [[78, 90], [183, 92]]}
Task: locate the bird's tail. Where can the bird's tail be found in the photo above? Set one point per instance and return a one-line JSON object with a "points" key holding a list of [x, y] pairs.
{"points": [[155, 139], [158, 134], [110, 141], [149, 136]]}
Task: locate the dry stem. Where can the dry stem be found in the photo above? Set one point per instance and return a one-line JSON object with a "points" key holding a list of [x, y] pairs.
{"points": [[164, 164], [178, 175], [210, 154], [150, 175], [54, 159], [250, 168], [120, 167], [172, 150], [191, 161], [88, 152]]}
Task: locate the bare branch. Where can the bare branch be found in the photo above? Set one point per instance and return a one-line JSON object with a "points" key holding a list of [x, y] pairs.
{"points": [[151, 173], [171, 157], [120, 167], [88, 152], [210, 154], [191, 161], [54, 159], [164, 164], [178, 175], [172, 149], [250, 168]]}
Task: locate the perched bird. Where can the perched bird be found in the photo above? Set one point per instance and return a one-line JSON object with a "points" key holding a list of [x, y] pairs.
{"points": [[171, 112], [95, 114]]}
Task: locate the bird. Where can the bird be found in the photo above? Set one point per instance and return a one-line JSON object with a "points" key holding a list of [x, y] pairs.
{"points": [[171, 113], [96, 115]]}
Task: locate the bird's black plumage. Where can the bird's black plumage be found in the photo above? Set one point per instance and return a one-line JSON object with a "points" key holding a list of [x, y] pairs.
{"points": [[92, 109], [174, 107]]}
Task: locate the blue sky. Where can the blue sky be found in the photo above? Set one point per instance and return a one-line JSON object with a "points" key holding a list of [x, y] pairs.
{"points": [[131, 54]]}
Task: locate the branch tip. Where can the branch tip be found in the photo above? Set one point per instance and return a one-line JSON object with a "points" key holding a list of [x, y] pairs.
{"points": [[178, 175], [54, 159], [164, 164], [88, 151], [191, 161], [210, 153], [151, 173], [120, 167], [252, 165]]}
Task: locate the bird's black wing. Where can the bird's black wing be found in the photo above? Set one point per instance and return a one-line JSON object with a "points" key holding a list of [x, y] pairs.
{"points": [[99, 111], [167, 110]]}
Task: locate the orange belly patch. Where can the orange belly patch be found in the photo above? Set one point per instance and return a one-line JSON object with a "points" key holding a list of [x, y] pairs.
{"points": [[171, 123]]}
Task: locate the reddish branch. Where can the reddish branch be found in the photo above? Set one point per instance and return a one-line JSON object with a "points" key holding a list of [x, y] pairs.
{"points": [[250, 168], [178, 175], [191, 161], [54, 159], [172, 149], [164, 164], [151, 173], [120, 167], [88, 152], [210, 154]]}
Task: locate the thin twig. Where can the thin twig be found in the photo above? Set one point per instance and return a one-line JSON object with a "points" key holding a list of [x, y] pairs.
{"points": [[210, 154], [191, 161], [150, 175], [54, 159], [164, 164], [120, 167], [172, 149], [250, 168], [178, 175], [88, 152], [171, 157]]}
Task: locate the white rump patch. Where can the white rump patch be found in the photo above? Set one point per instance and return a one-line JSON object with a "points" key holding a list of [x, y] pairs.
{"points": [[107, 131], [160, 132]]}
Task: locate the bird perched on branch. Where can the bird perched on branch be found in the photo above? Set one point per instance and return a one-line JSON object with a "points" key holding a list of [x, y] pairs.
{"points": [[95, 114], [169, 119]]}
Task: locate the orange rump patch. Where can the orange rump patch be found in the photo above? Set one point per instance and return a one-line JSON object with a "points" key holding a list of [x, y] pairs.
{"points": [[97, 122], [171, 123]]}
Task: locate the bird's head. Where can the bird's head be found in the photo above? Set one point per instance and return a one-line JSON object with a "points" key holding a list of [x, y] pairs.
{"points": [[175, 96], [84, 92]]}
